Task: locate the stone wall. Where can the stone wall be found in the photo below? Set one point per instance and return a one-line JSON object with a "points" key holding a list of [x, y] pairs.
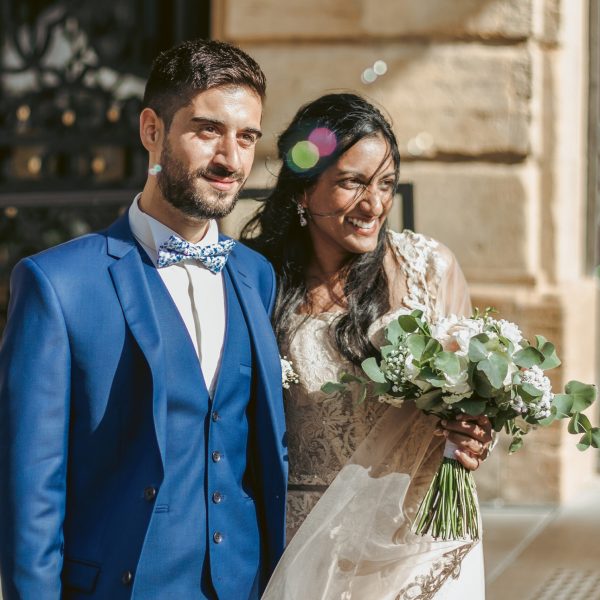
{"points": [[487, 98]]}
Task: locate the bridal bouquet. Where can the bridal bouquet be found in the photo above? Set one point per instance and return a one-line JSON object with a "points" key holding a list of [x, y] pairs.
{"points": [[475, 366]]}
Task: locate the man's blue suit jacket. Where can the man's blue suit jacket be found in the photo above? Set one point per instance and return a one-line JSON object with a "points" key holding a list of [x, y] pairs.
{"points": [[70, 473]]}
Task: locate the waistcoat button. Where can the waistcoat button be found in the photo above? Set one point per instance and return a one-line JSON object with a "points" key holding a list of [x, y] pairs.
{"points": [[217, 497], [215, 416], [217, 537], [216, 456], [150, 493], [127, 578]]}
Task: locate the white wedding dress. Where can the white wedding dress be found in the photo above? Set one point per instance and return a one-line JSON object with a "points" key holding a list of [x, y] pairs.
{"points": [[359, 471]]}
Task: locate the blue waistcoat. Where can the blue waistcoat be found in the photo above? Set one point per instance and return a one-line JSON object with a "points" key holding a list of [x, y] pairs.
{"points": [[206, 500]]}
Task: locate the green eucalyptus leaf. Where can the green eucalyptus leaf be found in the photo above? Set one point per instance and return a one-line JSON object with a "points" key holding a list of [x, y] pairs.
{"points": [[472, 407], [579, 423], [583, 394], [378, 389], [495, 368], [385, 350], [448, 363], [429, 402], [547, 421], [477, 349], [362, 394], [529, 391], [371, 368], [407, 323], [528, 357], [432, 348], [562, 406], [393, 332], [416, 343], [595, 435], [540, 340], [431, 377], [482, 385], [584, 443], [332, 387], [499, 421], [551, 360], [516, 444]]}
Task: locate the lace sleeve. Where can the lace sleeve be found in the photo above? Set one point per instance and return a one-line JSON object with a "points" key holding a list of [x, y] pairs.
{"points": [[452, 296]]}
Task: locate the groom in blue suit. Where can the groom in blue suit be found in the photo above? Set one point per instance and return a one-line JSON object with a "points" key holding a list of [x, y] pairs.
{"points": [[141, 421]]}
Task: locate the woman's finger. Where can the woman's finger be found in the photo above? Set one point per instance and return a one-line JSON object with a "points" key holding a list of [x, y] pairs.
{"points": [[466, 460]]}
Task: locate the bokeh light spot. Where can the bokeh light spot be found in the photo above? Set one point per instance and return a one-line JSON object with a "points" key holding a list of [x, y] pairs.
{"points": [[324, 139], [305, 155], [380, 67], [368, 76]]}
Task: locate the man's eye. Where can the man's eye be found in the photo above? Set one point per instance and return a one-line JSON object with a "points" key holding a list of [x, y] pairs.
{"points": [[208, 130], [249, 138]]}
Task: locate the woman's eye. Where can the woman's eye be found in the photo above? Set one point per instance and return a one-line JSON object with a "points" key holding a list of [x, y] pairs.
{"points": [[350, 184]]}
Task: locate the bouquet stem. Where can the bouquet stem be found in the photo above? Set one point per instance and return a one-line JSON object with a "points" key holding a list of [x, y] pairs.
{"points": [[449, 509]]}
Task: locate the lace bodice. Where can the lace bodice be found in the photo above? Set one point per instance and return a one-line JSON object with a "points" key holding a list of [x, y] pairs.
{"points": [[323, 433]]}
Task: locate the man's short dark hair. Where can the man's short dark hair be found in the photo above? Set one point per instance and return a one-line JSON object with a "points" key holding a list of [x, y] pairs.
{"points": [[194, 66]]}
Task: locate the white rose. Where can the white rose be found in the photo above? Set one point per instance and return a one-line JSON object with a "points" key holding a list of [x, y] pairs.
{"points": [[458, 384], [455, 334], [510, 331]]}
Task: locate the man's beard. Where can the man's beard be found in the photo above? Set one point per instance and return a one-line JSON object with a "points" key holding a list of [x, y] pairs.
{"points": [[178, 187]]}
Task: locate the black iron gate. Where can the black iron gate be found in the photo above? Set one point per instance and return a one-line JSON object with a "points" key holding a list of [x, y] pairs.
{"points": [[71, 79]]}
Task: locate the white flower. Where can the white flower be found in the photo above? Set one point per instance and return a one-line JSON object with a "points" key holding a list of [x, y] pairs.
{"points": [[410, 370], [540, 408], [512, 369], [510, 331], [288, 375], [454, 333], [458, 384]]}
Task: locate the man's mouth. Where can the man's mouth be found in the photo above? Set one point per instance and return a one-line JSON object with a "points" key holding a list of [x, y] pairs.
{"points": [[223, 184]]}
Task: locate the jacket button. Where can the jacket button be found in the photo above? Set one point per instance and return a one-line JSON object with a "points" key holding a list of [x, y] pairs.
{"points": [[217, 497], [216, 456], [150, 493], [217, 537], [215, 416], [127, 578]]}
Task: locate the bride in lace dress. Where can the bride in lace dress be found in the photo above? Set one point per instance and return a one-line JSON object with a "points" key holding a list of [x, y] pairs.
{"points": [[358, 471]]}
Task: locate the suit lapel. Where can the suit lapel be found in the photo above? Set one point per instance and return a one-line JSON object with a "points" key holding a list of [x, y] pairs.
{"points": [[131, 286]]}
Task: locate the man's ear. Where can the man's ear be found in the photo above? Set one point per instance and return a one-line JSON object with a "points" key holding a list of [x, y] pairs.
{"points": [[151, 130]]}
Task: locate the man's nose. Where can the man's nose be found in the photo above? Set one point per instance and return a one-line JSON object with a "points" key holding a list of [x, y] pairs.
{"points": [[227, 154]]}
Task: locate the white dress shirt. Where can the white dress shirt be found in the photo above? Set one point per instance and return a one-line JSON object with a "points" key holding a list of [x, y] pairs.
{"points": [[197, 293]]}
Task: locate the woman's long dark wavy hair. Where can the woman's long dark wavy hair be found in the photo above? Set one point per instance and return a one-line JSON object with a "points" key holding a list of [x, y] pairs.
{"points": [[288, 245]]}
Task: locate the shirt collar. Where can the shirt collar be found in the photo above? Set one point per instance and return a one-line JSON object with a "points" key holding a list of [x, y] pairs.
{"points": [[151, 234]]}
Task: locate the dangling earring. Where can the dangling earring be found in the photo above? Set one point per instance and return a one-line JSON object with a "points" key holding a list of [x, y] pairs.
{"points": [[301, 214], [155, 170]]}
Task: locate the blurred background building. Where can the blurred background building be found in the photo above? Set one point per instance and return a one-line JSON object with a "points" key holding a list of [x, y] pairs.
{"points": [[496, 105]]}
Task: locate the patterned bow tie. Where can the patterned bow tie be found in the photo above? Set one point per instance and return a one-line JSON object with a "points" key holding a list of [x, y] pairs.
{"points": [[212, 256]]}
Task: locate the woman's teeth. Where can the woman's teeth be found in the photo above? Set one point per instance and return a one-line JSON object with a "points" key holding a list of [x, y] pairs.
{"points": [[362, 224]]}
